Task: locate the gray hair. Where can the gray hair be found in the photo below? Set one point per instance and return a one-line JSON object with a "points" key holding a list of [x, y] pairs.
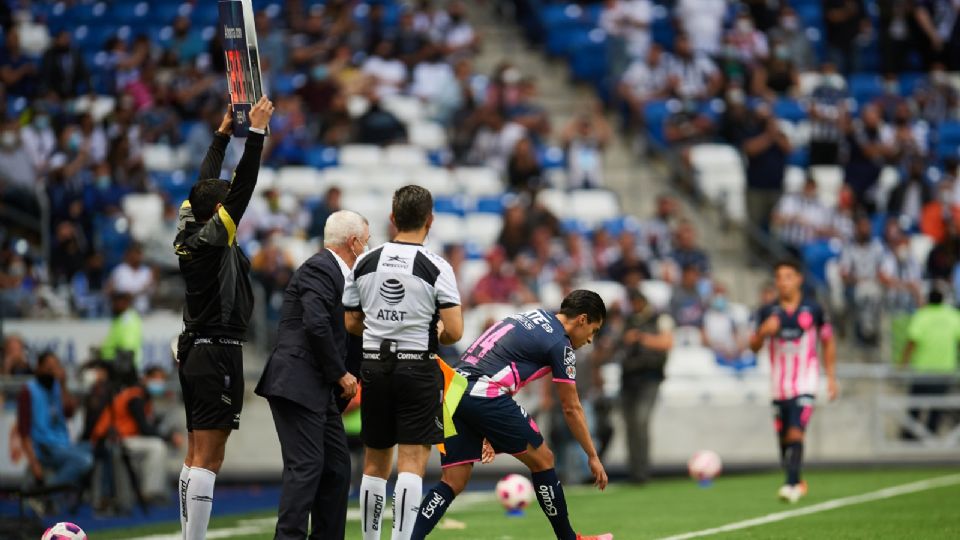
{"points": [[341, 226]]}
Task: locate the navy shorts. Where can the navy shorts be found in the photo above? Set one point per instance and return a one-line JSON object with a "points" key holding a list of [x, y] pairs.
{"points": [[500, 420], [792, 413], [211, 379]]}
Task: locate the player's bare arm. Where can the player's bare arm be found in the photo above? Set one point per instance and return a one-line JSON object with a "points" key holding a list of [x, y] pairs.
{"points": [[452, 329], [577, 422], [354, 322], [767, 329], [830, 364]]}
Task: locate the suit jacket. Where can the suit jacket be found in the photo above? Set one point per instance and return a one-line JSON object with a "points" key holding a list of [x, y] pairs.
{"points": [[312, 341]]}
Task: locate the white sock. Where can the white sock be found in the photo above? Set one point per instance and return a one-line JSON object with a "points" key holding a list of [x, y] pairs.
{"points": [[373, 498], [199, 502], [182, 498], [406, 504]]}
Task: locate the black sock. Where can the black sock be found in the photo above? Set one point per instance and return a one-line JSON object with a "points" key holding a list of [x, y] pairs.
{"points": [[554, 505], [792, 461], [434, 505]]}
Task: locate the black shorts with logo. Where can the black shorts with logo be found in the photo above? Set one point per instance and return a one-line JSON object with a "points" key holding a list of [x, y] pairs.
{"points": [[211, 378], [401, 403]]}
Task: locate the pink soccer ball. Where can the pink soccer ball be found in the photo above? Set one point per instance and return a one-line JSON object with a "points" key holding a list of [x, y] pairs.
{"points": [[514, 492], [64, 531], [705, 465]]}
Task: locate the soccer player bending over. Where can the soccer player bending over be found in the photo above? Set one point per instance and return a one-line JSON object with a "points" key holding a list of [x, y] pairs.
{"points": [[216, 314], [793, 325], [507, 357]]}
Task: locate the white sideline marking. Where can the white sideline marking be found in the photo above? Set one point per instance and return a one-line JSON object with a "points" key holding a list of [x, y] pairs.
{"points": [[246, 527], [886, 493]]}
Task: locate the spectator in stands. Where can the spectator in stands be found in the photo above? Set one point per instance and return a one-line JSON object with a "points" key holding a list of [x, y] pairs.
{"points": [[524, 173], [494, 140], [272, 43], [936, 98], [687, 304], [845, 22], [627, 24], [903, 274], [18, 72], [702, 20], [39, 138], [63, 71], [15, 362], [728, 337], [201, 135], [272, 267], [18, 171], [94, 137], [516, 230], [935, 27], [186, 44], [658, 231], [433, 78], [69, 253], [910, 135], [776, 77], [828, 111], [686, 250], [125, 336], [860, 264], [43, 407], [645, 80], [459, 36], [134, 277], [870, 143], [318, 216], [790, 33], [840, 225], [800, 218], [647, 339], [629, 269], [584, 141], [500, 285], [931, 351], [576, 258], [907, 200], [766, 148], [751, 44], [941, 264], [736, 119], [683, 129], [131, 420], [604, 251], [379, 126], [528, 113], [388, 72], [692, 75]]}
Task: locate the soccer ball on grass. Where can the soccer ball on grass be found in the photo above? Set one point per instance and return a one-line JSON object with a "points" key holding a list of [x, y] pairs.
{"points": [[515, 492], [704, 466], [64, 531]]}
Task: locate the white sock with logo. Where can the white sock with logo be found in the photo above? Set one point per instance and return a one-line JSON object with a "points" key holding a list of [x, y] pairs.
{"points": [[406, 504], [373, 502], [182, 498], [199, 502]]}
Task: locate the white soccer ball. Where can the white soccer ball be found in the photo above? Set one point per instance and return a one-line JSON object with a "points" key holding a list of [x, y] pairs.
{"points": [[64, 531], [704, 465], [514, 492]]}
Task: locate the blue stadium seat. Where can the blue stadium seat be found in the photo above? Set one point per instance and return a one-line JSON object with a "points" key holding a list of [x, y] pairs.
{"points": [[569, 225], [176, 185], [589, 60], [130, 13], [654, 114], [909, 82], [551, 157], [815, 257], [205, 14], [450, 205], [87, 13], [789, 109], [490, 205], [800, 157], [322, 157], [811, 15], [865, 87], [114, 237], [948, 139]]}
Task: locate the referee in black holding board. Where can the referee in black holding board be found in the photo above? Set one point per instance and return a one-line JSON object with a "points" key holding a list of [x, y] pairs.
{"points": [[219, 301], [395, 297]]}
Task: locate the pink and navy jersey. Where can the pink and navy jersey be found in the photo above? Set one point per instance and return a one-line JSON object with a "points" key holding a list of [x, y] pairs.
{"points": [[794, 363], [516, 351]]}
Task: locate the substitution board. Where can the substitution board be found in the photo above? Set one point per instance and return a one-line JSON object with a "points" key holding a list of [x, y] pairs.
{"points": [[242, 59]]}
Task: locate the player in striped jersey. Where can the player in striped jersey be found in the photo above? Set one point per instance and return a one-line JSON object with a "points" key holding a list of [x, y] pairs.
{"points": [[793, 325]]}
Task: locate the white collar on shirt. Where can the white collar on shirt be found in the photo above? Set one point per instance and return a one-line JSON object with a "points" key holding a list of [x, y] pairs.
{"points": [[343, 266]]}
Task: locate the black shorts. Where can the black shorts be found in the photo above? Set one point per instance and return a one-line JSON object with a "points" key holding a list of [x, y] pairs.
{"points": [[404, 406], [792, 413], [500, 420], [211, 377]]}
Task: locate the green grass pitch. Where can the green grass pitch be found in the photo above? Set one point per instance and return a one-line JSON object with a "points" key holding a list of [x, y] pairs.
{"points": [[678, 506]]}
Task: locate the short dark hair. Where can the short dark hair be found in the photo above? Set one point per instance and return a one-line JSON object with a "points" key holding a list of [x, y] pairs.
{"points": [[205, 195], [935, 296], [44, 356], [154, 370], [584, 302], [788, 263], [412, 205]]}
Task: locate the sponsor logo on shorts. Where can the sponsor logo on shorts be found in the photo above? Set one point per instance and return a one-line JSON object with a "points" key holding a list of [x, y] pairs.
{"points": [[392, 291], [571, 372], [427, 510], [569, 357], [546, 497], [203, 341], [226, 399], [438, 423], [409, 356]]}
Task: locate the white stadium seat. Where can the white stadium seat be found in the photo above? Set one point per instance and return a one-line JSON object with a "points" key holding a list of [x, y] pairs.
{"points": [[920, 247], [829, 183], [427, 135], [793, 179], [479, 181], [266, 180], [405, 155], [406, 108], [692, 362], [360, 155], [721, 177], [145, 212], [556, 201], [160, 157], [471, 270], [483, 229], [437, 179], [366, 203], [551, 295], [299, 181], [611, 292], [889, 179], [658, 293], [593, 206], [448, 229]]}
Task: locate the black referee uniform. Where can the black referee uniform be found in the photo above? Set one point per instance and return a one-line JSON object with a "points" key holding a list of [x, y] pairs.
{"points": [[219, 297]]}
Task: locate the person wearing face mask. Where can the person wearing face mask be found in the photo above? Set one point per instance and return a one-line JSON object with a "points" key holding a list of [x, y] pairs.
{"points": [[844, 21], [130, 420], [727, 335], [43, 407], [790, 32], [308, 381], [18, 172]]}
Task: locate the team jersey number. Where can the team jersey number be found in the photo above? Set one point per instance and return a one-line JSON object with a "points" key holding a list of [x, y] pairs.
{"points": [[487, 341]]}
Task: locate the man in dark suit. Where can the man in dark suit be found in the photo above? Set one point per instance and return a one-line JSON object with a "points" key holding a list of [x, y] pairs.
{"points": [[305, 380]]}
